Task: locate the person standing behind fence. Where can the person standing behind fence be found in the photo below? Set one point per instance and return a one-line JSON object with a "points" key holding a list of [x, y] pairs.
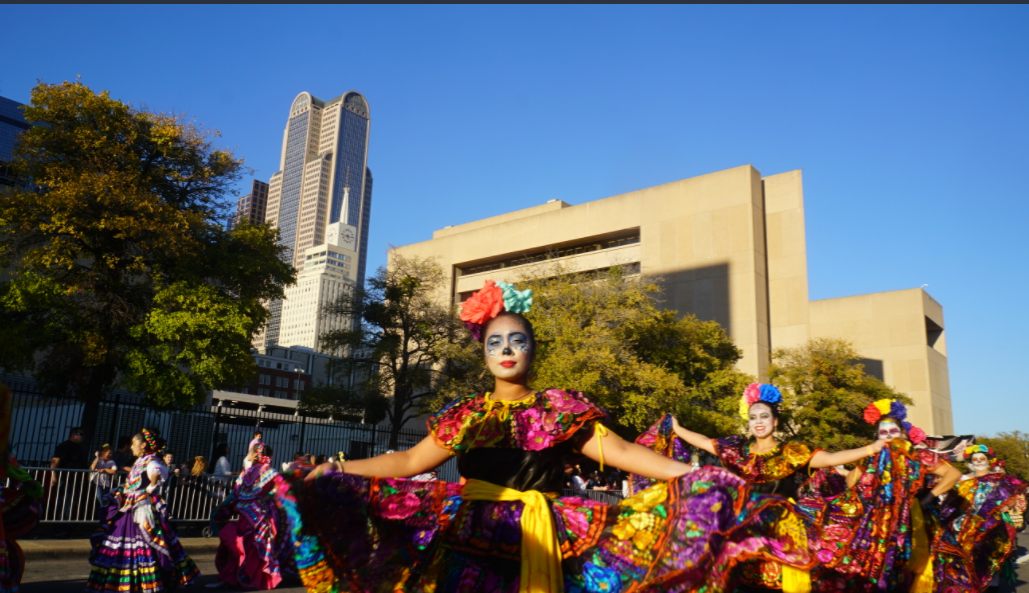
{"points": [[68, 455], [105, 468], [222, 468], [258, 436], [122, 456], [135, 548], [255, 550]]}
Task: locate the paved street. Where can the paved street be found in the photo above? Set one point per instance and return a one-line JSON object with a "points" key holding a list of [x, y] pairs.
{"points": [[69, 576]]}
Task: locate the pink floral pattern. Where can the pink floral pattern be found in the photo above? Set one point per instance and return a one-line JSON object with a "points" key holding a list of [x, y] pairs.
{"points": [[532, 424]]}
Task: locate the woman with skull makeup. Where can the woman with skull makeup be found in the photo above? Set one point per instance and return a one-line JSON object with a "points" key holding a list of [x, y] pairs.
{"points": [[507, 529], [874, 535], [977, 538], [771, 467]]}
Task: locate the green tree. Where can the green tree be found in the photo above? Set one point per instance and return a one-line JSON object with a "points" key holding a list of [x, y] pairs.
{"points": [[403, 349], [826, 393], [607, 335], [1013, 448], [118, 270]]}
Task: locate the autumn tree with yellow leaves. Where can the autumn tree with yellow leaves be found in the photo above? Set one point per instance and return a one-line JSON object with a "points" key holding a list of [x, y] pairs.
{"points": [[119, 272]]}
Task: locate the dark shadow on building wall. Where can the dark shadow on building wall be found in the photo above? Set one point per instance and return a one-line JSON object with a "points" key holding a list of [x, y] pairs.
{"points": [[702, 291]]}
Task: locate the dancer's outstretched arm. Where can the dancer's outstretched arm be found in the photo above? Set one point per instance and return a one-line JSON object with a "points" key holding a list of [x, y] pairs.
{"points": [[949, 476], [633, 458], [826, 459], [424, 456], [694, 438]]}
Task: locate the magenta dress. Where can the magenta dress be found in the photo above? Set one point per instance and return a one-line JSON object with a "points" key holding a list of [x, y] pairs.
{"points": [[135, 548], [387, 535], [255, 550]]}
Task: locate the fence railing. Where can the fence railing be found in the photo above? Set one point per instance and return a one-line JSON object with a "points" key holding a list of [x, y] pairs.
{"points": [[77, 495]]}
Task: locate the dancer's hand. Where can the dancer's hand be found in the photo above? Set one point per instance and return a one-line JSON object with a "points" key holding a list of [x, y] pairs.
{"points": [[319, 470], [877, 446]]}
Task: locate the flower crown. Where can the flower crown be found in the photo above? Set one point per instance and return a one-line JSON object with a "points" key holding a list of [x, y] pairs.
{"points": [[487, 303], [151, 441], [973, 449], [262, 457], [764, 393], [894, 409]]}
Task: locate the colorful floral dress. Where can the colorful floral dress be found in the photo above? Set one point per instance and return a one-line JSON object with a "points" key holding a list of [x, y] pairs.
{"points": [[135, 548], [975, 539], [386, 535], [21, 510], [255, 549], [872, 537]]}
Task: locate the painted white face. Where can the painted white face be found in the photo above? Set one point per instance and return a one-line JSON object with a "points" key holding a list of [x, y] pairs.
{"points": [[762, 422], [888, 430], [980, 462], [509, 351]]}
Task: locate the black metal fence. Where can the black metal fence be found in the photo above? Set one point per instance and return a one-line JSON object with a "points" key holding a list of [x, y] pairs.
{"points": [[39, 424]]}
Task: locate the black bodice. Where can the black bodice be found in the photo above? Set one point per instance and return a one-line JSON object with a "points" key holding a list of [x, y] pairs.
{"points": [[515, 468]]}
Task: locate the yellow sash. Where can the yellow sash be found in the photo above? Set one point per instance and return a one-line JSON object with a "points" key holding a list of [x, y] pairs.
{"points": [[541, 554]]}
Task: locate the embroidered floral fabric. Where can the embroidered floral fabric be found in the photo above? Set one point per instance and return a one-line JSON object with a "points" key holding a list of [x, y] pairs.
{"points": [[389, 535], [975, 540], [780, 463], [863, 536], [533, 423]]}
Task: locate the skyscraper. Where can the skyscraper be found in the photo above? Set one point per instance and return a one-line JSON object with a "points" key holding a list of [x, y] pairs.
{"points": [[323, 180], [253, 206], [12, 123]]}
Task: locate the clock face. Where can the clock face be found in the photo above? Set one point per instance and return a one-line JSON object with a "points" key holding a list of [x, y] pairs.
{"points": [[348, 236]]}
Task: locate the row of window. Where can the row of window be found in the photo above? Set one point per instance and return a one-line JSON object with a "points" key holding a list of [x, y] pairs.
{"points": [[552, 253], [298, 384], [276, 393]]}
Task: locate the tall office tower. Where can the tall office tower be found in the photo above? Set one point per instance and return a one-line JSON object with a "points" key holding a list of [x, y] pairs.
{"points": [[12, 123], [253, 206], [323, 180]]}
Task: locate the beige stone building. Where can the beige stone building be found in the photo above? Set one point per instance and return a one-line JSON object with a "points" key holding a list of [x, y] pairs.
{"points": [[731, 247]]}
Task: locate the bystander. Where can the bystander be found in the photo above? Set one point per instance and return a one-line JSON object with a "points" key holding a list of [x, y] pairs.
{"points": [[122, 456], [105, 469], [69, 454]]}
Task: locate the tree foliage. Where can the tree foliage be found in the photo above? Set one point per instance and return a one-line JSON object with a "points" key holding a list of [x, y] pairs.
{"points": [[1013, 448], [607, 335], [404, 346], [119, 272], [826, 392]]}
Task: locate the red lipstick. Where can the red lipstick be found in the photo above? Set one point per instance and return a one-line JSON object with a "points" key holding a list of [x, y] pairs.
{"points": [[508, 364]]}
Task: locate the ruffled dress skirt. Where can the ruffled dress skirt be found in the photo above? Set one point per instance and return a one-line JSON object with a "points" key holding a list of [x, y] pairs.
{"points": [[20, 516], [137, 550], [256, 552], [385, 535]]}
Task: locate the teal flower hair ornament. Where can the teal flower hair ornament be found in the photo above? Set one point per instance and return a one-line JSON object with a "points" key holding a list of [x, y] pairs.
{"points": [[515, 301]]}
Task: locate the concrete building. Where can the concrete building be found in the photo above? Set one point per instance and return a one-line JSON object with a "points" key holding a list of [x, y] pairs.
{"points": [[731, 247], [254, 206], [12, 123], [323, 179]]}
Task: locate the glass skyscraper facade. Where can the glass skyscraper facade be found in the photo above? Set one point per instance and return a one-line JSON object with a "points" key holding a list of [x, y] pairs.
{"points": [[323, 180], [12, 123]]}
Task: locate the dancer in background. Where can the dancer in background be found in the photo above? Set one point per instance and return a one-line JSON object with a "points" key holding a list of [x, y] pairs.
{"points": [[255, 549], [508, 529], [977, 539], [135, 548], [20, 501], [768, 465]]}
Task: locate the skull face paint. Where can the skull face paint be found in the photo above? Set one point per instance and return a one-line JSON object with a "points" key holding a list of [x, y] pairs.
{"points": [[761, 420], [980, 463], [509, 350], [888, 430]]}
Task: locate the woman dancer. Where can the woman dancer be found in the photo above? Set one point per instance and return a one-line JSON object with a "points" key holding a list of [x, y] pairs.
{"points": [[135, 548], [769, 465], [873, 537], [977, 540], [507, 530], [251, 548]]}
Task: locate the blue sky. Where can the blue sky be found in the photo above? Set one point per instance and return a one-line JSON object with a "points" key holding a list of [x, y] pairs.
{"points": [[910, 124]]}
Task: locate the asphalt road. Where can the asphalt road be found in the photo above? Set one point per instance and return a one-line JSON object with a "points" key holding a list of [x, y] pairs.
{"points": [[69, 576]]}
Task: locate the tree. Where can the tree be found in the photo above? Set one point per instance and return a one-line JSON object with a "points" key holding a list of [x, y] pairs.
{"points": [[119, 273], [606, 335], [403, 348], [826, 393], [1013, 448]]}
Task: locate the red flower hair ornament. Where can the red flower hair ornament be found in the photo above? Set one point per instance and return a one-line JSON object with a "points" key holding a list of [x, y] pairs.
{"points": [[488, 302]]}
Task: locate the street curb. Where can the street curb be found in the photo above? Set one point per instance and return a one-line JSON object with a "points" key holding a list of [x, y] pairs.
{"points": [[64, 549]]}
